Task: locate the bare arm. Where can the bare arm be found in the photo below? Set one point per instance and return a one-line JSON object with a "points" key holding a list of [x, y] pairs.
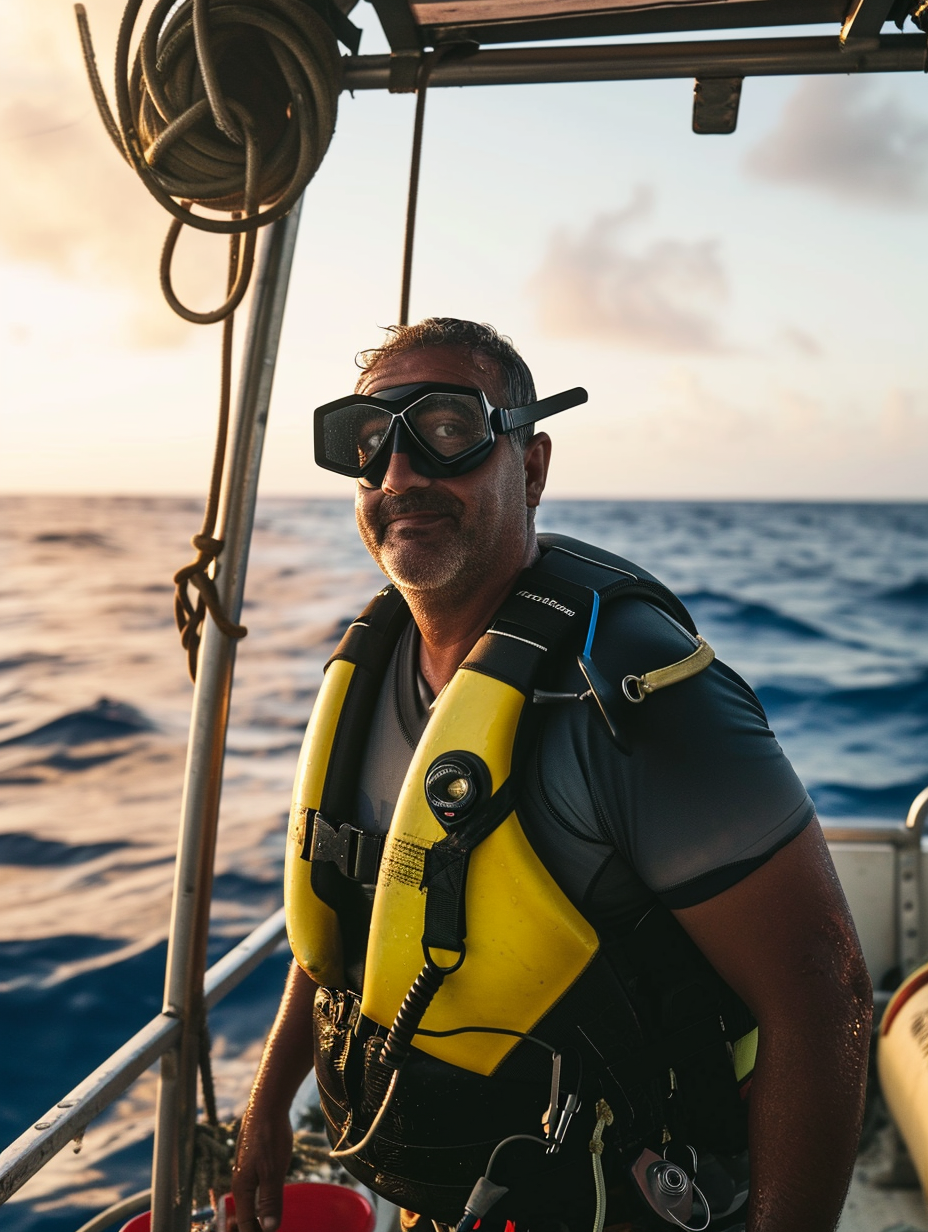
{"points": [[266, 1140], [784, 940]]}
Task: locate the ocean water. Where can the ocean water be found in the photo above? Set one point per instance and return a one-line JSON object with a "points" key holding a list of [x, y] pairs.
{"points": [[823, 608]]}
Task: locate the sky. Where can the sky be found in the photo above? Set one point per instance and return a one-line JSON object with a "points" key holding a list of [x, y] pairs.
{"points": [[745, 310]]}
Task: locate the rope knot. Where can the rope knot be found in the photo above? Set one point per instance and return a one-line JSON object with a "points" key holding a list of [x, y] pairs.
{"points": [[208, 546], [604, 1117], [190, 613]]}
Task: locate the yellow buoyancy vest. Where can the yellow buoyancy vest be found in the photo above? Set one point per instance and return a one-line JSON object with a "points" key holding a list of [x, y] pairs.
{"points": [[526, 943]]}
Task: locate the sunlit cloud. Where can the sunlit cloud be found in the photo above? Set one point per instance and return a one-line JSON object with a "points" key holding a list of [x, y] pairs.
{"points": [[696, 438], [844, 137], [599, 284], [70, 204]]}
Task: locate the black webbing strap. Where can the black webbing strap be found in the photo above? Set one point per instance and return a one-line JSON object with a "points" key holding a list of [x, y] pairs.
{"points": [[355, 853], [444, 875], [610, 575]]}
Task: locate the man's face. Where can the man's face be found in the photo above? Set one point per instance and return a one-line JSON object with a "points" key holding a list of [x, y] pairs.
{"points": [[441, 534]]}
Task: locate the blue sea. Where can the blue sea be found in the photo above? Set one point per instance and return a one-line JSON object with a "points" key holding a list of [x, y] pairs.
{"points": [[822, 607]]}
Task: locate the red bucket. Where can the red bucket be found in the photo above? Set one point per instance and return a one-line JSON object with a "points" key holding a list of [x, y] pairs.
{"points": [[308, 1207]]}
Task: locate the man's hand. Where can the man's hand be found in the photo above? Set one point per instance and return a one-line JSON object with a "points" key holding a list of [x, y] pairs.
{"points": [[265, 1145], [265, 1141], [784, 940]]}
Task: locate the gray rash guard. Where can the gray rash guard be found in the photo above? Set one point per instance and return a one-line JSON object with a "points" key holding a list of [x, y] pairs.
{"points": [[704, 797]]}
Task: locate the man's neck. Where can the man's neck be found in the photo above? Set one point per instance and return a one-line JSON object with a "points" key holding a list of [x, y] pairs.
{"points": [[451, 625]]}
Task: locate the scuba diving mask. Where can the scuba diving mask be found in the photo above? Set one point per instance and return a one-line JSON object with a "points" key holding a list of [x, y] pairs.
{"points": [[445, 430]]}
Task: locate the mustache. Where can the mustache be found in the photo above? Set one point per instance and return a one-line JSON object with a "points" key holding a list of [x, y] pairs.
{"points": [[441, 503]]}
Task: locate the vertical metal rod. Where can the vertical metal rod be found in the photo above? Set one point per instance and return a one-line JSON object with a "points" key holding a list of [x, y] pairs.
{"points": [[172, 1165], [413, 198]]}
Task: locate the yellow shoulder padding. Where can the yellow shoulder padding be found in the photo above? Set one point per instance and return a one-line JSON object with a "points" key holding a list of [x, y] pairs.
{"points": [[312, 926]]}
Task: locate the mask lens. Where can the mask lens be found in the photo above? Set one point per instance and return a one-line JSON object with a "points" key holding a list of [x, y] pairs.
{"points": [[353, 434], [450, 424]]}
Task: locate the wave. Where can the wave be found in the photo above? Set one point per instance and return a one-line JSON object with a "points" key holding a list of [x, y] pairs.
{"points": [[240, 888], [759, 617], [847, 800], [104, 720], [30, 658], [908, 697], [915, 592], [75, 539], [27, 851]]}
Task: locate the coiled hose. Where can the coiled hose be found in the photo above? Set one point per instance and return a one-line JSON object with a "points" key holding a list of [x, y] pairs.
{"points": [[228, 105], [396, 1049], [410, 1014]]}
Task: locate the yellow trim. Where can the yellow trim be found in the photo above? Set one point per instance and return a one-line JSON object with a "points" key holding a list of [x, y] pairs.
{"points": [[312, 926], [526, 942], [744, 1055]]}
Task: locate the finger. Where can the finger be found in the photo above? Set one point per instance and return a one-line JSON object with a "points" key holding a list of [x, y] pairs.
{"points": [[270, 1205], [243, 1217]]}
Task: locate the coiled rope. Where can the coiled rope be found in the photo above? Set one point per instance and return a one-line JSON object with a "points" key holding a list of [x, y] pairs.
{"points": [[228, 105]]}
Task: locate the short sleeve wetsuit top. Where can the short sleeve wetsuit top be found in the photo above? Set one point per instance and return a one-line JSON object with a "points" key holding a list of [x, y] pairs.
{"points": [[704, 796]]}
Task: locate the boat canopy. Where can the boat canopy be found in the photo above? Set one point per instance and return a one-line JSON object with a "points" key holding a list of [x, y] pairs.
{"points": [[520, 21], [521, 42]]}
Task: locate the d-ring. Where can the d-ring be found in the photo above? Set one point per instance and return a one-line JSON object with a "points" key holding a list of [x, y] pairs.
{"points": [[638, 695]]}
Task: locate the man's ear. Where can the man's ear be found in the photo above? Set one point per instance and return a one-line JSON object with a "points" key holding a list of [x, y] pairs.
{"points": [[537, 457]]}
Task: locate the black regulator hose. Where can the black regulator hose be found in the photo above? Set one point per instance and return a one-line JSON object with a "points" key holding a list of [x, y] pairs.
{"points": [[396, 1048], [410, 1015]]}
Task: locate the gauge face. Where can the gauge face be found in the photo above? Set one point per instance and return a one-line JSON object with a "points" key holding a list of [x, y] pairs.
{"points": [[454, 784]]}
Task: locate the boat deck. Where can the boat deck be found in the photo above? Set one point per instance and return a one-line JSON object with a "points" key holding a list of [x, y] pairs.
{"points": [[884, 1196]]}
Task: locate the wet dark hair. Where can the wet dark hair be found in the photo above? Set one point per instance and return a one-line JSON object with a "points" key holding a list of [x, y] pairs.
{"points": [[483, 340]]}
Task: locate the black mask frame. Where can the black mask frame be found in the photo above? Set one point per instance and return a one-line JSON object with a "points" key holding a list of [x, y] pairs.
{"points": [[402, 436]]}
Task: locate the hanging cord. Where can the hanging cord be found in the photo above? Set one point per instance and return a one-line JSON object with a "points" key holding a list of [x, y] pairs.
{"points": [[422, 85], [429, 61], [604, 1117], [204, 1060], [189, 614], [228, 105]]}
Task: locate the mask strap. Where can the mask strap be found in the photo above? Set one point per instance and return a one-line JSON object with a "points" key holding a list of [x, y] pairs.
{"points": [[519, 416]]}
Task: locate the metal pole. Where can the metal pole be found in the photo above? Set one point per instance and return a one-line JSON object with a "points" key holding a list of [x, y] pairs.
{"points": [[491, 66], [175, 1118]]}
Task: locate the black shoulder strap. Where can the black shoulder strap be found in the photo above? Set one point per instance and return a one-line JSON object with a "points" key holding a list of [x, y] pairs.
{"points": [[610, 575]]}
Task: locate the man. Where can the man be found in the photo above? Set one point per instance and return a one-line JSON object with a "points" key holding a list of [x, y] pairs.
{"points": [[696, 813]]}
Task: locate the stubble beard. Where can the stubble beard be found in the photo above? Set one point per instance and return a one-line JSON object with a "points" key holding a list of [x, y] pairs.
{"points": [[427, 563]]}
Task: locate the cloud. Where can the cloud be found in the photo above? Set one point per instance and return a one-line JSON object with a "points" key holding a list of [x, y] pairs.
{"points": [[662, 297], [800, 342], [70, 204], [692, 435], [842, 137]]}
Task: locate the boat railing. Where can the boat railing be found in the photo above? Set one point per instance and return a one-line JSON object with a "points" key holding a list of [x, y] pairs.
{"points": [[71, 1115]]}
